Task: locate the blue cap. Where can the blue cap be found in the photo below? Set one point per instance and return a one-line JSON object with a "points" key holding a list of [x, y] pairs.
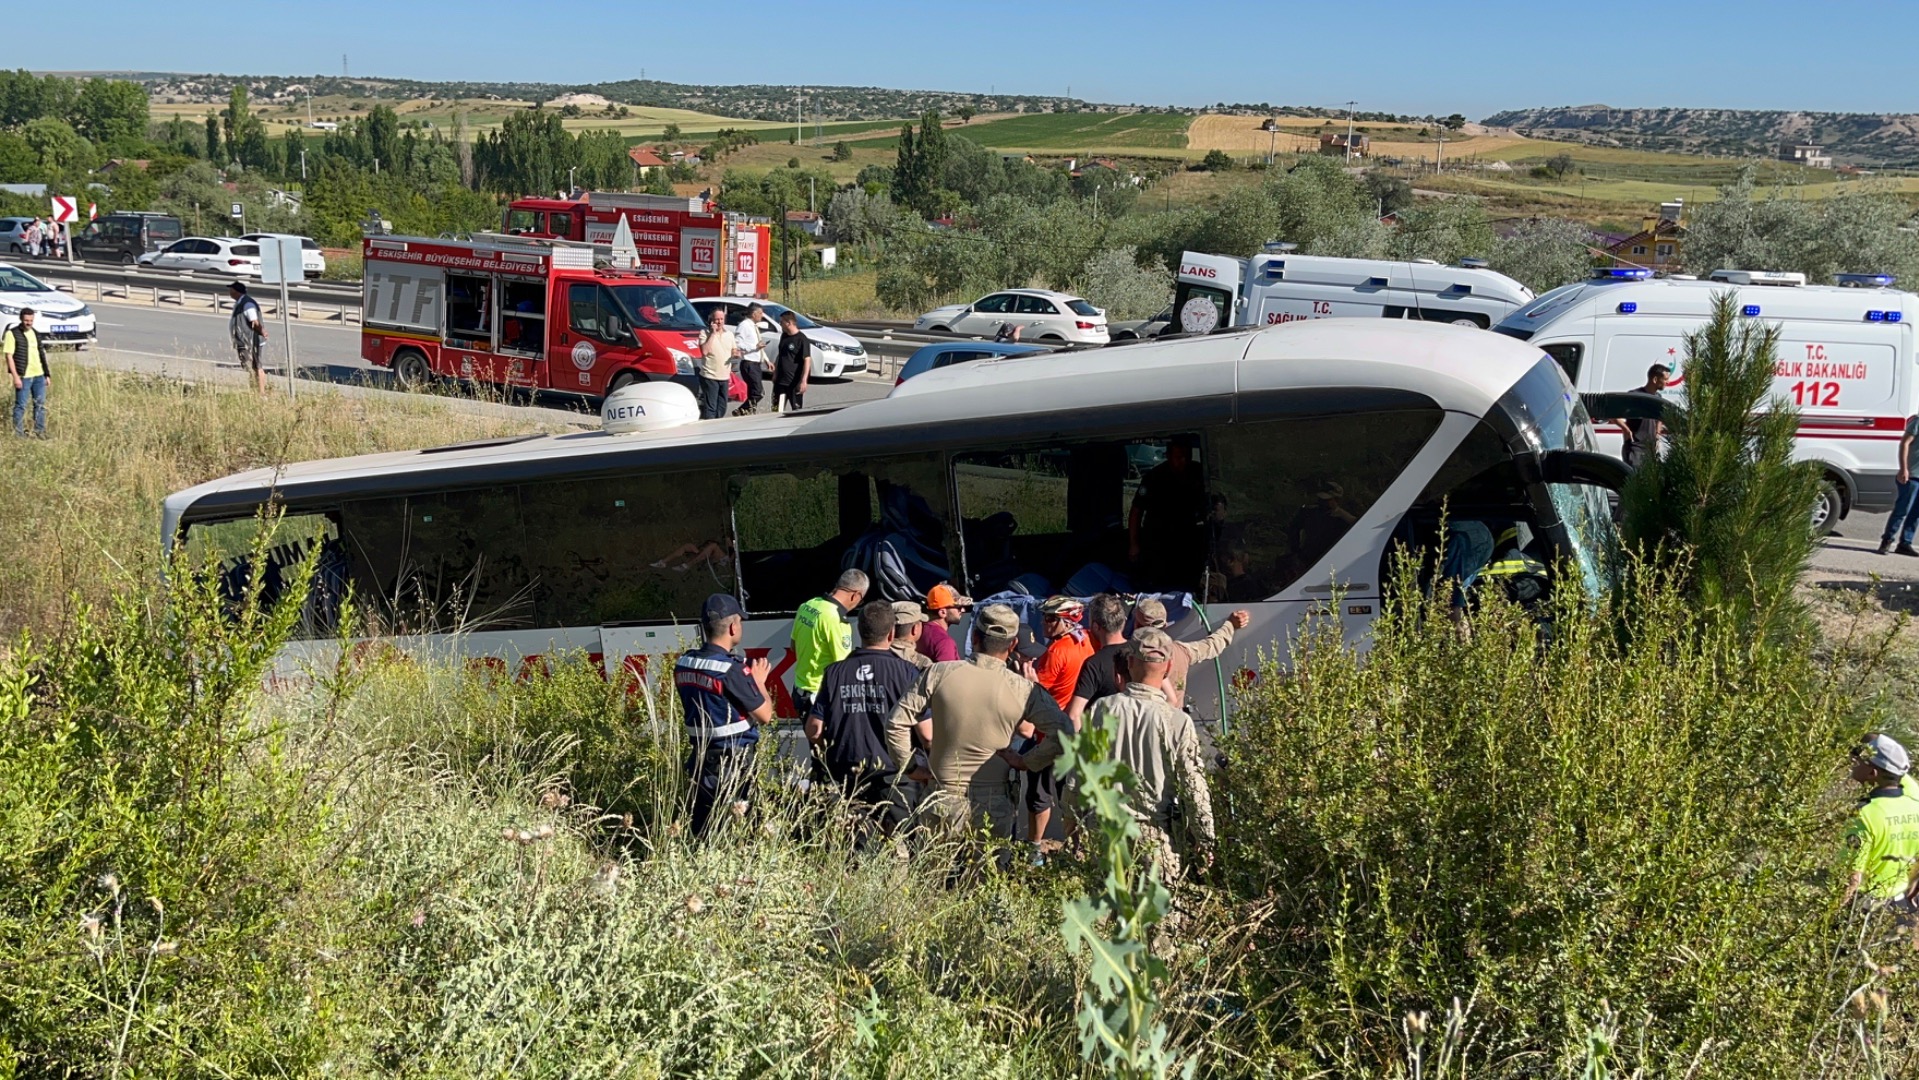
{"points": [[721, 606]]}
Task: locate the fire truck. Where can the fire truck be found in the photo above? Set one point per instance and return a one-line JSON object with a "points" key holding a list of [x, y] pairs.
{"points": [[519, 312], [714, 253]]}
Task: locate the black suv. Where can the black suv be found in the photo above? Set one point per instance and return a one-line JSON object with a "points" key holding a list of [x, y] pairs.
{"points": [[124, 237]]}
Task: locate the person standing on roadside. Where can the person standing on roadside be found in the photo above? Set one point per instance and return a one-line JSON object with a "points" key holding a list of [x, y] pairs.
{"points": [[1904, 521], [249, 333], [723, 698], [27, 367], [948, 609], [1642, 433], [718, 350], [822, 636], [847, 724], [792, 367], [1885, 834], [1152, 613], [752, 341]]}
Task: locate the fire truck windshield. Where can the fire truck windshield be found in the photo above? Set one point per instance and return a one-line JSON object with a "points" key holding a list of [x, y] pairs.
{"points": [[657, 307]]}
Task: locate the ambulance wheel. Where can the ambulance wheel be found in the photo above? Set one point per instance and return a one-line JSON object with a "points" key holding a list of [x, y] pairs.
{"points": [[1826, 508], [410, 370], [1475, 323]]}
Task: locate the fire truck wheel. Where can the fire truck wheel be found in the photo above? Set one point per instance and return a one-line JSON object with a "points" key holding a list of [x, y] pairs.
{"points": [[620, 382], [410, 370]]}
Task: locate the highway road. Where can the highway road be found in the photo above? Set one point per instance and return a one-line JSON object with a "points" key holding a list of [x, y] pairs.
{"points": [[171, 340]]}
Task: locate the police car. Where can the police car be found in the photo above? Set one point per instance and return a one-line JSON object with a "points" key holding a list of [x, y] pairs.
{"points": [[61, 319]]}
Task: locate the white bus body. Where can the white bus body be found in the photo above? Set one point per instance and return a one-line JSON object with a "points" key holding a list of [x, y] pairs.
{"points": [[1280, 287], [1845, 361], [1318, 446]]}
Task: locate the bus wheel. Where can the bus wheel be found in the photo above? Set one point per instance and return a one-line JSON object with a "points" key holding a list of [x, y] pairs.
{"points": [[1826, 508], [620, 382], [410, 370]]}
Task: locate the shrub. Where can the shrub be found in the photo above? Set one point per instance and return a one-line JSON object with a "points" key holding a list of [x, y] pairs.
{"points": [[1114, 281], [1544, 253], [1216, 161]]}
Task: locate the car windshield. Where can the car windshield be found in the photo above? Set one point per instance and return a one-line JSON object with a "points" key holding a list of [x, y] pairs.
{"points": [[1551, 417], [12, 280], [1081, 307], [775, 311], [657, 307]]}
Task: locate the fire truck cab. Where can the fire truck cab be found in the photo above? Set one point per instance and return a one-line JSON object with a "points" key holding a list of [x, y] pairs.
{"points": [[518, 312], [712, 253]]}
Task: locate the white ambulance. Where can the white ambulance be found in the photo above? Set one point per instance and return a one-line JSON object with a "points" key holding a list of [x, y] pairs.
{"points": [[1278, 286], [1845, 359]]}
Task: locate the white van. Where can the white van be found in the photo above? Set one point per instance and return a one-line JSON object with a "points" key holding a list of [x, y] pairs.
{"points": [[1277, 286], [1845, 359]]}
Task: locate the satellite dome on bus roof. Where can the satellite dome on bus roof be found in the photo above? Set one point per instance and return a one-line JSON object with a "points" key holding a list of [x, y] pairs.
{"points": [[648, 406]]}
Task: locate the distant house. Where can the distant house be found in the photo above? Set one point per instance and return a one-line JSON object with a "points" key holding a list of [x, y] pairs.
{"points": [[324, 125], [645, 159], [114, 165], [1660, 245], [1335, 145], [1811, 155], [809, 222]]}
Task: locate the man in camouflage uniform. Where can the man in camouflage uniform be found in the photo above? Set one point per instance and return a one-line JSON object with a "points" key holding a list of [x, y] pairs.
{"points": [[909, 621], [1152, 613], [1169, 796], [976, 705]]}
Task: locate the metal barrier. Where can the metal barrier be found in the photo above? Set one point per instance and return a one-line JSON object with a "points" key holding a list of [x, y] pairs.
{"points": [[338, 302]]}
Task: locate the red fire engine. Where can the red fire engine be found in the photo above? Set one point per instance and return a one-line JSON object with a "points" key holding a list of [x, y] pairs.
{"points": [[521, 312], [714, 253]]}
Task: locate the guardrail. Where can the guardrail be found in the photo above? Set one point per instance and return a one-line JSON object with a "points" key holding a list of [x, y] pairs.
{"points": [[335, 301]]}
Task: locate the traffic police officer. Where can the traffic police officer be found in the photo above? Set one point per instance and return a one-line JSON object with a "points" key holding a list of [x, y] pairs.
{"points": [[1885, 835], [976, 706], [723, 697], [822, 636]]}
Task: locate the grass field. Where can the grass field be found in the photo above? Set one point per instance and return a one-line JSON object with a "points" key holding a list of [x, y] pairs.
{"points": [[1074, 132]]}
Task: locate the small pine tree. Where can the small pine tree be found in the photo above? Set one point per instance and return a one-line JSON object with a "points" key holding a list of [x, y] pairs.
{"points": [[1727, 494]]}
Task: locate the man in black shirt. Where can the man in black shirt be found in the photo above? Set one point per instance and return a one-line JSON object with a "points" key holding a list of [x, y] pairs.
{"points": [[1642, 434], [1166, 531], [847, 722], [792, 366], [1099, 675]]}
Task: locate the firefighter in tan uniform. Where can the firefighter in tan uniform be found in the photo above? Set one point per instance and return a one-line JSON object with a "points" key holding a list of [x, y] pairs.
{"points": [[976, 704], [1169, 796]]}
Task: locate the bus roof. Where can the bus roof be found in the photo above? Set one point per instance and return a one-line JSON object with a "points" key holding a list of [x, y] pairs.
{"points": [[1458, 368]]}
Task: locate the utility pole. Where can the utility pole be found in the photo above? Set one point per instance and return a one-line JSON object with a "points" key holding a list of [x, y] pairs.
{"points": [[1439, 154], [799, 115], [1349, 131], [1272, 138]]}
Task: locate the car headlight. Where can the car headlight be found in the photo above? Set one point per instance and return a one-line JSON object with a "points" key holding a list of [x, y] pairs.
{"points": [[9, 309], [682, 363], [827, 346], [83, 312]]}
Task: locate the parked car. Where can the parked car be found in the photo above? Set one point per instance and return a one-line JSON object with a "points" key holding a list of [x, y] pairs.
{"points": [[60, 317], [312, 259], [1140, 329], [124, 236], [836, 354], [207, 255], [1041, 314], [13, 234], [947, 353]]}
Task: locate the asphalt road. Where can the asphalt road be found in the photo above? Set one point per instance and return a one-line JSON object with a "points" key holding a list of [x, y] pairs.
{"points": [[168, 339]]}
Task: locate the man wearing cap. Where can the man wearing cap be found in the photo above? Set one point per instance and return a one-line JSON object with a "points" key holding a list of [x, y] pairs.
{"points": [[909, 622], [948, 609], [848, 720], [723, 697], [1169, 794], [1152, 613], [1885, 835], [976, 706], [249, 333], [822, 636]]}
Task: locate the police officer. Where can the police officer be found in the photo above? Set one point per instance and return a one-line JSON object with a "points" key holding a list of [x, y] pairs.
{"points": [[723, 697], [1885, 835], [822, 636], [976, 706], [847, 723]]}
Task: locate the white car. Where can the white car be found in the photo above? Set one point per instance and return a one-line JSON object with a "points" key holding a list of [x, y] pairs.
{"points": [[60, 317], [836, 354], [223, 255], [1043, 317], [312, 259]]}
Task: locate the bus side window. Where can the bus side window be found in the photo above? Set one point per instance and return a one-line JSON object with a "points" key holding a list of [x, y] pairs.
{"points": [[644, 548], [439, 563], [1287, 490], [226, 549]]}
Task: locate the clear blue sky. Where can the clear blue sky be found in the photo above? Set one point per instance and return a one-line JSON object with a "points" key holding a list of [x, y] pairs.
{"points": [[1474, 58]]}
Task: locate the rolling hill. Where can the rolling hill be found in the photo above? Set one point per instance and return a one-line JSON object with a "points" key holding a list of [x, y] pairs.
{"points": [[1882, 139]]}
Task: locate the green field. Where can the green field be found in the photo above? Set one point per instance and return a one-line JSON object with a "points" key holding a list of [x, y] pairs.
{"points": [[1075, 131]]}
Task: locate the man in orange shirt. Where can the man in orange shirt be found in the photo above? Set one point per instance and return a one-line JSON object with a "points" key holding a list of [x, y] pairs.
{"points": [[1067, 647]]}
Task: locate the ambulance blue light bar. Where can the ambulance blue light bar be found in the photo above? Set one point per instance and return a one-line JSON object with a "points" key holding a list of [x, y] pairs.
{"points": [[1628, 308], [1623, 273], [1879, 281], [1751, 311], [1884, 316]]}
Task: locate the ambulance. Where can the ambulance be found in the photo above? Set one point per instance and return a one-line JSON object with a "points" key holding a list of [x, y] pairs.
{"points": [[1845, 359], [522, 313], [710, 252], [1278, 286]]}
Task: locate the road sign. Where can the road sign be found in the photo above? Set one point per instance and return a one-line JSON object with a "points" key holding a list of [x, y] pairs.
{"points": [[63, 209], [238, 212], [93, 211]]}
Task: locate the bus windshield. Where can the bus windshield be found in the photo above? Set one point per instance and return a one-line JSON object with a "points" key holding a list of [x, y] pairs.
{"points": [[1550, 416], [657, 307]]}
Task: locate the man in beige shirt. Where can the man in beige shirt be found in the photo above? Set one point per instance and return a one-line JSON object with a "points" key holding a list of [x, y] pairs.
{"points": [[976, 705], [909, 621], [1169, 795], [1150, 613], [718, 350]]}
